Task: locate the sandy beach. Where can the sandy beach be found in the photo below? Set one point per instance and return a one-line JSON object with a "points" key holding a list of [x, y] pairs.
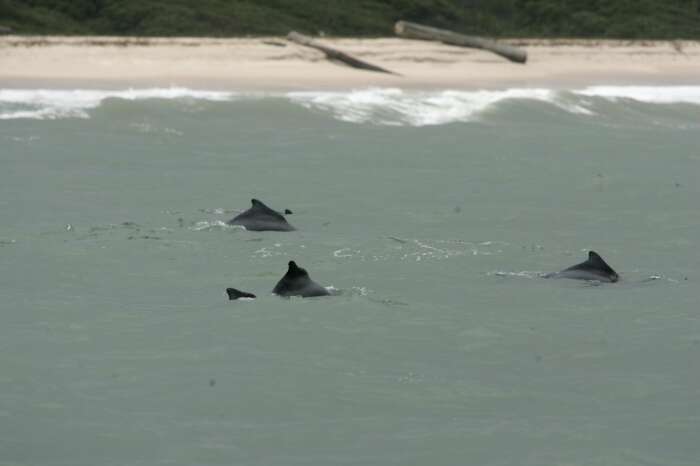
{"points": [[275, 64]]}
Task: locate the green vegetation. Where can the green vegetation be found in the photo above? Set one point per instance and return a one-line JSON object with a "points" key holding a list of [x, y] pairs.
{"points": [[667, 19]]}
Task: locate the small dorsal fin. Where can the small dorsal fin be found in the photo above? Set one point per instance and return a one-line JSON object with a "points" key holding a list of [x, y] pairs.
{"points": [[296, 282], [593, 268], [595, 259], [296, 271], [597, 262], [260, 207]]}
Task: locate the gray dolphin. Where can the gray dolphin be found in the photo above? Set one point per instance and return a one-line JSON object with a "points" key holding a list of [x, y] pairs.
{"points": [[595, 268], [296, 282], [261, 218]]}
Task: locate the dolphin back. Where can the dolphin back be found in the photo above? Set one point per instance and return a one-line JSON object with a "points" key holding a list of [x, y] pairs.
{"points": [[261, 218]]}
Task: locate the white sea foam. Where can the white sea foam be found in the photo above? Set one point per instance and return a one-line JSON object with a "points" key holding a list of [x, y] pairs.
{"points": [[214, 225], [380, 106], [397, 107], [47, 104], [521, 274], [646, 94], [388, 106]]}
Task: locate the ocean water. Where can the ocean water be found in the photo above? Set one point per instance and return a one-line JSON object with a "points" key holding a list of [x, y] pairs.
{"points": [[432, 213]]}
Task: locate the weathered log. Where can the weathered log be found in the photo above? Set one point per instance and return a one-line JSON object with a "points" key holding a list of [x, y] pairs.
{"points": [[275, 43], [417, 31], [335, 55], [5, 30]]}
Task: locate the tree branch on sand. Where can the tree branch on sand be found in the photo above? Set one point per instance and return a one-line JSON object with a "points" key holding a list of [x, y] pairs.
{"points": [[335, 55]]}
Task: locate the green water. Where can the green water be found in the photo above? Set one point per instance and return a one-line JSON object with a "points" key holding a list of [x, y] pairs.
{"points": [[444, 347]]}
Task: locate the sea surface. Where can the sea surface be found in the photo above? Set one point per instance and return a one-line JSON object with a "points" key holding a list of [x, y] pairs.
{"points": [[432, 214]]}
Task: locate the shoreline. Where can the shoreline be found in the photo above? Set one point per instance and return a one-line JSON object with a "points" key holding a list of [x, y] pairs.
{"points": [[273, 64]]}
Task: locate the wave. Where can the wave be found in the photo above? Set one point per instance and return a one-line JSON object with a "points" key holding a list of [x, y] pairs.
{"points": [[398, 107], [645, 94], [379, 106], [49, 104], [403, 108]]}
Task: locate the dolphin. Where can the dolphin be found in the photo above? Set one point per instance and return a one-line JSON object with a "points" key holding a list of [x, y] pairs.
{"points": [[296, 282], [595, 268], [261, 218], [234, 294]]}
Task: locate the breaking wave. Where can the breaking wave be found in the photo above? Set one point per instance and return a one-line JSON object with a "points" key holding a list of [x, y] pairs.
{"points": [[379, 106], [398, 107], [646, 94], [48, 104]]}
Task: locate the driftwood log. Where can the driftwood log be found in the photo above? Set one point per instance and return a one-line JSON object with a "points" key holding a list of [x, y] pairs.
{"points": [[5, 30], [417, 31], [335, 55]]}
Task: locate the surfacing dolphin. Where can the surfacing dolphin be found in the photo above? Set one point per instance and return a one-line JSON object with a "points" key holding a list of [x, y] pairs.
{"points": [[594, 269], [261, 218], [296, 282]]}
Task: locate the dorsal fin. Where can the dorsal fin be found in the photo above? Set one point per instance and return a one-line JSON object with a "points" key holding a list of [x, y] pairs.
{"points": [[296, 282], [593, 268], [295, 271], [260, 208], [596, 261]]}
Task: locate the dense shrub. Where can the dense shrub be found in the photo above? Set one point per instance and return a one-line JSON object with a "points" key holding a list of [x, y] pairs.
{"points": [[668, 19]]}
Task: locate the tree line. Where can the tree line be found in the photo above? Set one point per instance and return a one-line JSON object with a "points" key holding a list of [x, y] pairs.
{"points": [[631, 19]]}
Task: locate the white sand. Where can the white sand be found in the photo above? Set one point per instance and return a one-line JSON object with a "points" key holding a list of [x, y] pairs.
{"points": [[259, 64]]}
